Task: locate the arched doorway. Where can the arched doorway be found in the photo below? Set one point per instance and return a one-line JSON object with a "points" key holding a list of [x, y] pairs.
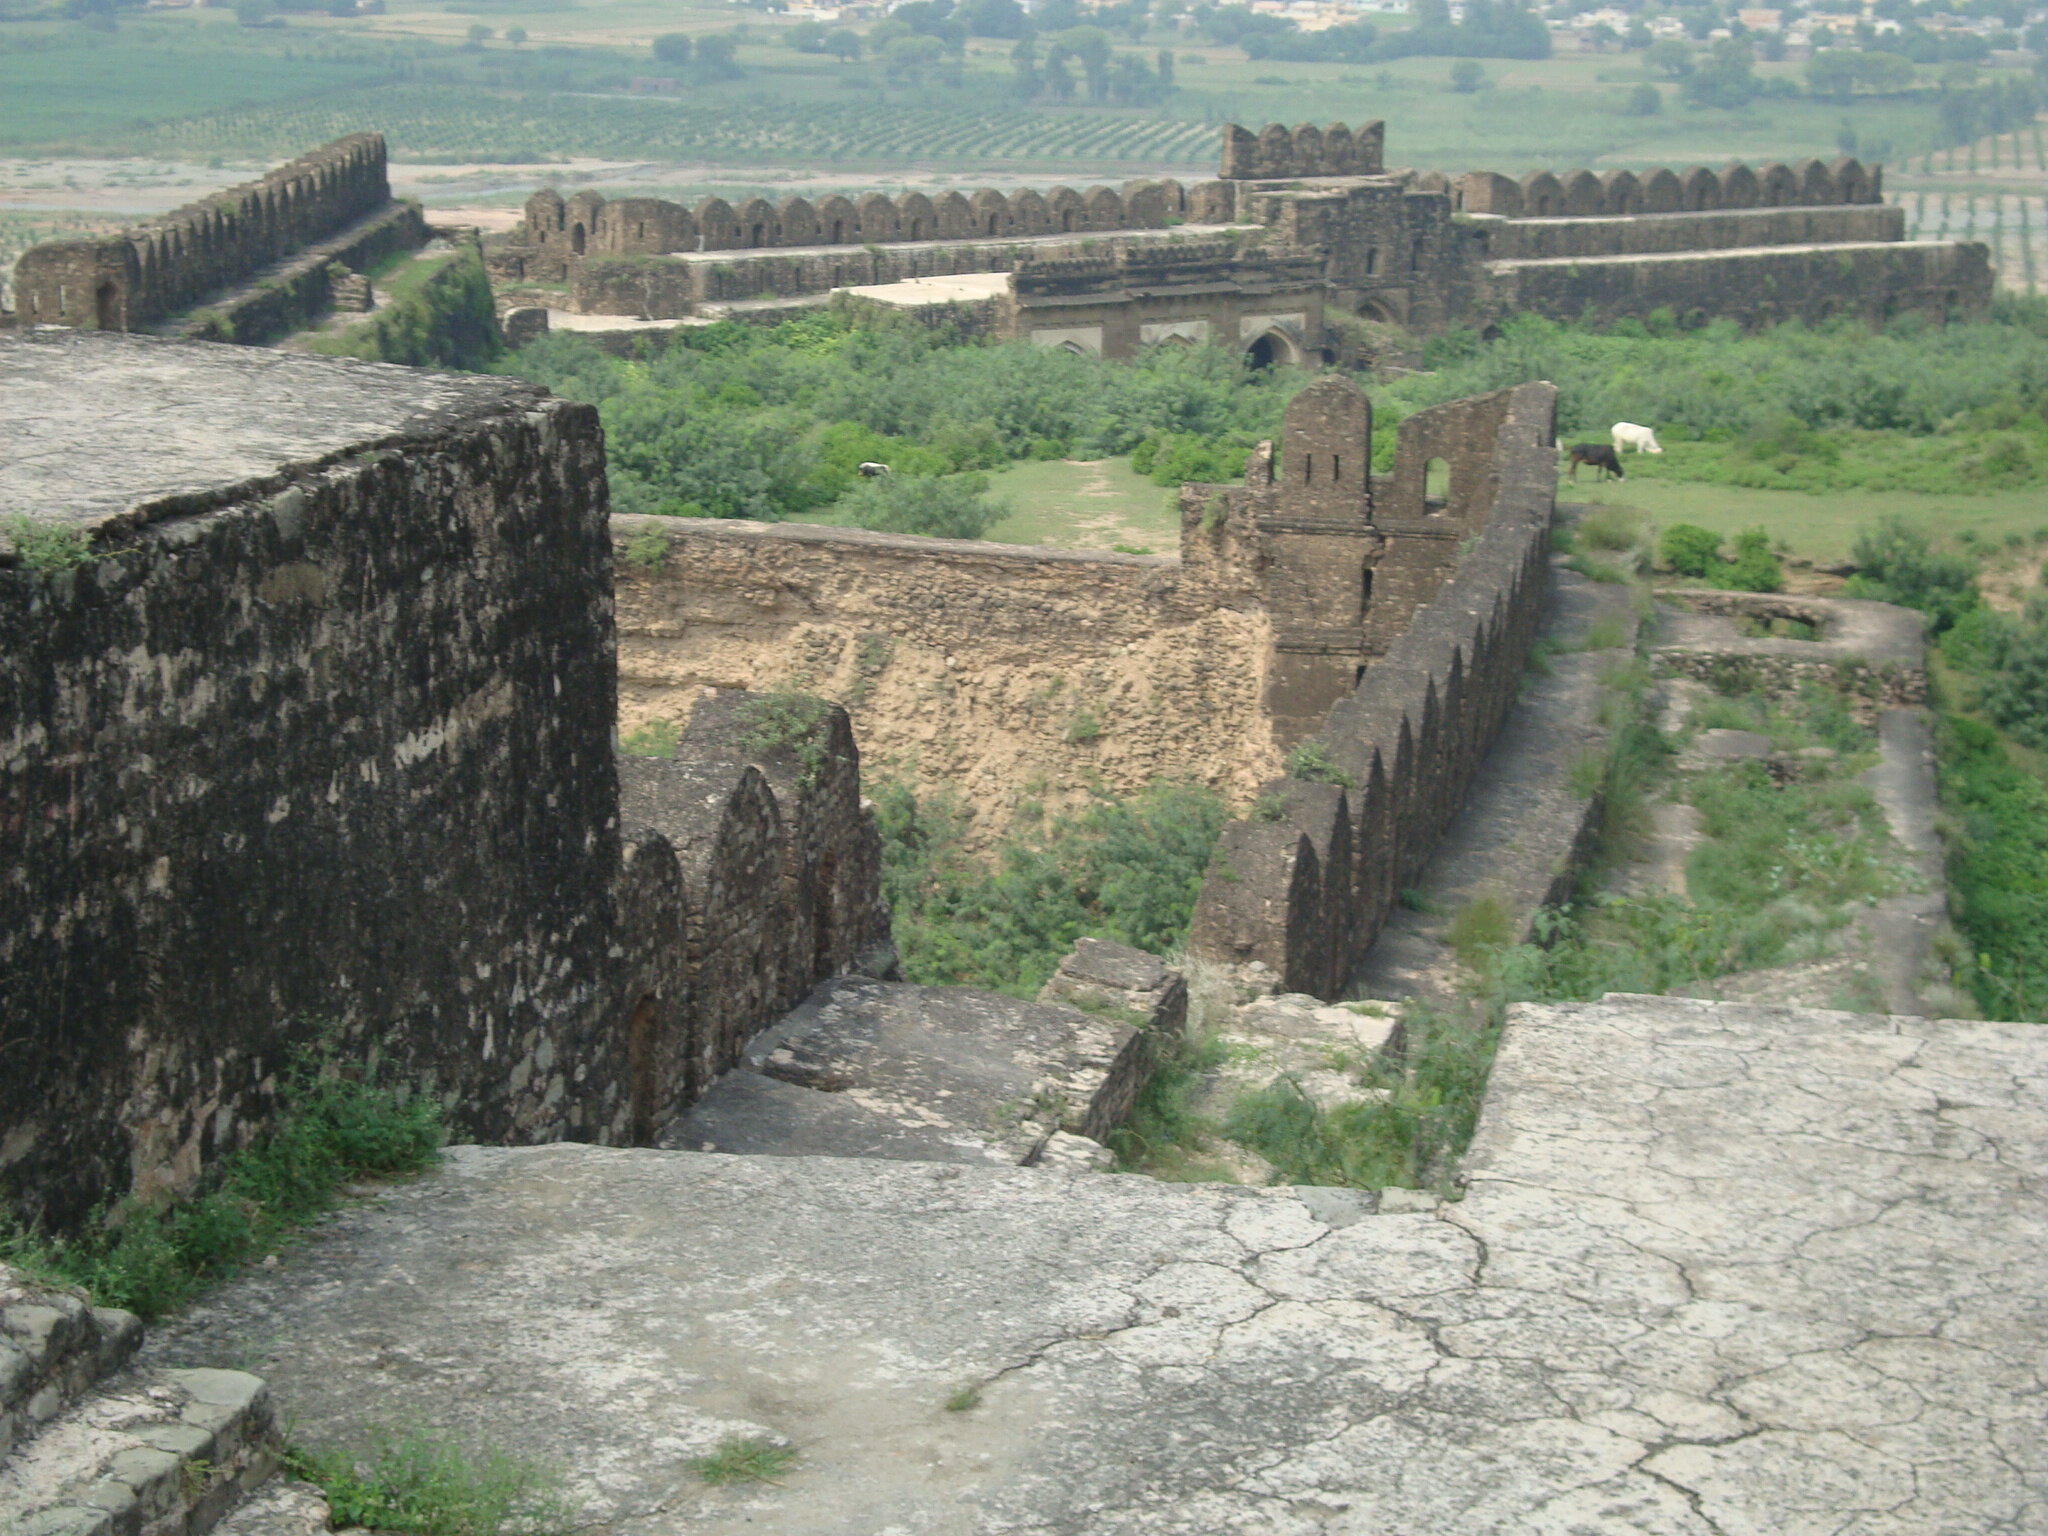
{"points": [[1271, 347], [106, 307], [576, 239]]}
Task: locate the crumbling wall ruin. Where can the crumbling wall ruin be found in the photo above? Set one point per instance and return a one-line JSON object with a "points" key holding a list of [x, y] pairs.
{"points": [[320, 747], [1303, 886], [1011, 673], [132, 280]]}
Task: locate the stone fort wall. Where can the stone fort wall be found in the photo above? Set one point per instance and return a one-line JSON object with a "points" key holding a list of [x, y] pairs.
{"points": [[239, 817], [1421, 249], [1019, 676], [1009, 673], [131, 280], [1304, 885]]}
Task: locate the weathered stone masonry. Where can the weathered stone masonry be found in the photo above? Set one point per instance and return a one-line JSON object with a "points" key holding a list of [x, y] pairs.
{"points": [[1304, 886], [330, 206], [1297, 218], [325, 743]]}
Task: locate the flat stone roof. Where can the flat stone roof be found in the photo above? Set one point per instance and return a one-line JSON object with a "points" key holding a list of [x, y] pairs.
{"points": [[101, 425], [1166, 235], [1720, 1269], [961, 287]]}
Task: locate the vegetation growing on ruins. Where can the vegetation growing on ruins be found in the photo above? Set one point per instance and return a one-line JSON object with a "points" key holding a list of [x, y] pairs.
{"points": [[744, 1459], [1425, 1108], [47, 546], [1125, 867], [333, 1129], [440, 315], [1993, 668], [738, 421], [423, 1486]]}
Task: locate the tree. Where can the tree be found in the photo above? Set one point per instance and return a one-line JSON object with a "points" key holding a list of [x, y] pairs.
{"points": [[1725, 80], [715, 57], [479, 34], [995, 18], [806, 37], [843, 43], [1603, 36], [1832, 72], [1645, 100], [909, 60], [1670, 57], [1163, 67], [515, 35], [1024, 69], [1058, 78], [1638, 34], [673, 48], [254, 13], [1467, 76], [1091, 46]]}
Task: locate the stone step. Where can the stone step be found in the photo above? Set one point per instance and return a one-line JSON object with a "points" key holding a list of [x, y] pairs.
{"points": [[281, 1507], [53, 1346], [150, 1453], [866, 1068]]}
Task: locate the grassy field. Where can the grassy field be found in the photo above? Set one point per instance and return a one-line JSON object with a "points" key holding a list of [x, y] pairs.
{"points": [[1822, 527], [1091, 504], [195, 83]]}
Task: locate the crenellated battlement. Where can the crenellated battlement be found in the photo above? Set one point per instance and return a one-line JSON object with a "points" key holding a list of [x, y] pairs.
{"points": [[1277, 152], [128, 281], [1695, 189]]}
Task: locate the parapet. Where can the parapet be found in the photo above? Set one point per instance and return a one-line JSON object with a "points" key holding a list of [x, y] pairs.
{"points": [[1278, 153], [156, 269], [587, 224], [1695, 189], [1304, 887]]}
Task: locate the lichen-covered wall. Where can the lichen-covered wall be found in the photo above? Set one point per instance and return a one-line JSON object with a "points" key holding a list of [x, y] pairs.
{"points": [[327, 751], [1008, 672], [1304, 886]]}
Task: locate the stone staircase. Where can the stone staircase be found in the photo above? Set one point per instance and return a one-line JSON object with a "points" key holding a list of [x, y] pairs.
{"points": [[866, 1068], [91, 1445]]}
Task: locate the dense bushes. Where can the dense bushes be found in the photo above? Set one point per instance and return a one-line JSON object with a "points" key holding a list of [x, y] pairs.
{"points": [[440, 317], [1996, 668], [737, 421], [1836, 407], [1126, 868], [1998, 868]]}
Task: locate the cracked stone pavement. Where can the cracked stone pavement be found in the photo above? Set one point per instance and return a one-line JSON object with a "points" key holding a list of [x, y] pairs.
{"points": [[1721, 1270]]}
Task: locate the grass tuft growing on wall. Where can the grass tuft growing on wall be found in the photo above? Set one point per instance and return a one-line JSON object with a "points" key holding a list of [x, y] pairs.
{"points": [[332, 1129]]}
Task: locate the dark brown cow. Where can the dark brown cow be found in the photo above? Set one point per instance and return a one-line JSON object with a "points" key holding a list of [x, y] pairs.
{"points": [[1601, 456]]}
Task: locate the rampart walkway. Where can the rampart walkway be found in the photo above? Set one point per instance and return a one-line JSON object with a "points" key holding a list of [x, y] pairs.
{"points": [[1721, 1269]]}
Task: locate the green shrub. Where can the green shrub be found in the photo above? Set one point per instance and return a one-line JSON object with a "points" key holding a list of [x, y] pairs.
{"points": [[1407, 1138], [424, 1486], [1754, 568], [1126, 868], [657, 738], [1688, 549], [446, 319], [1312, 762], [48, 546], [1610, 527], [931, 506], [332, 1129], [1896, 564], [1997, 868]]}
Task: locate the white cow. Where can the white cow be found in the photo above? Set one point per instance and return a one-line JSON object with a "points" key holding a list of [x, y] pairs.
{"points": [[871, 470], [1628, 435]]}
